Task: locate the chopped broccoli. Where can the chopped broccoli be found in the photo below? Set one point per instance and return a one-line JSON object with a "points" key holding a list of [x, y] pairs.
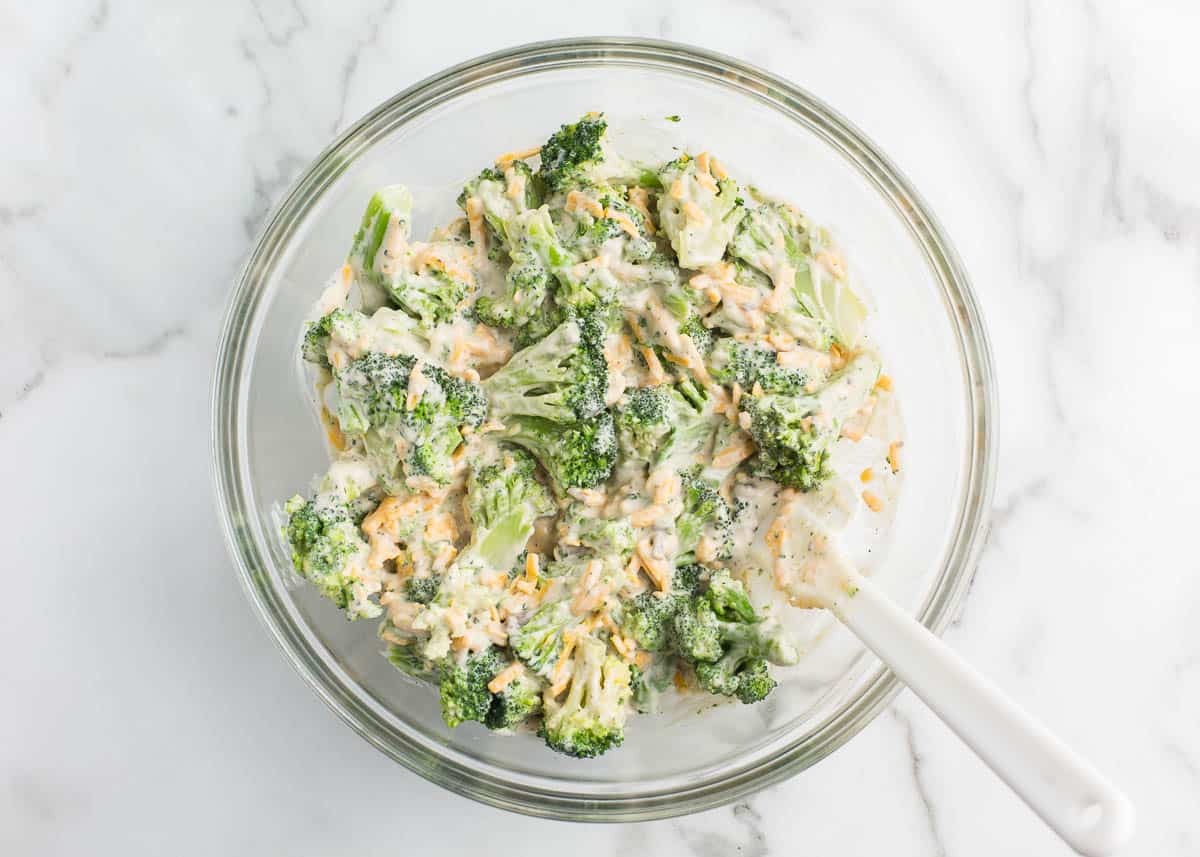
{"points": [[693, 424], [428, 285], [562, 378], [528, 285], [422, 590], [719, 632], [599, 535], [741, 668], [571, 150], [410, 661], [590, 720], [341, 324], [643, 422], [601, 217], [539, 641], [703, 507], [576, 455], [729, 599], [735, 362], [687, 579], [463, 687], [540, 324], [646, 686], [698, 213], [528, 237], [431, 295], [520, 699], [685, 305], [328, 550], [550, 398], [648, 620], [696, 630], [734, 674], [795, 434], [702, 337], [390, 209], [504, 499], [374, 403], [649, 617], [817, 304]]}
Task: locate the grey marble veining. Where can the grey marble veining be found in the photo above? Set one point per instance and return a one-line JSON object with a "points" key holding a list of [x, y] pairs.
{"points": [[145, 142]]}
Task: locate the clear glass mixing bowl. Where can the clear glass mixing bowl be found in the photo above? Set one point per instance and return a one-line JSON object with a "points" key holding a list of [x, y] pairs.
{"points": [[266, 444]]}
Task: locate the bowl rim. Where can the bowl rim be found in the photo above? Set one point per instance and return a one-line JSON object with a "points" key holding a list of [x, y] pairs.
{"points": [[449, 768]]}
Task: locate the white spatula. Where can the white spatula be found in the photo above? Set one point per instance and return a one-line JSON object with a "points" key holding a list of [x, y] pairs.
{"points": [[1091, 814]]}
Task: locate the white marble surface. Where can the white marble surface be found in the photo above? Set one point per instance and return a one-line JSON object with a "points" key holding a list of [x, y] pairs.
{"points": [[146, 712]]}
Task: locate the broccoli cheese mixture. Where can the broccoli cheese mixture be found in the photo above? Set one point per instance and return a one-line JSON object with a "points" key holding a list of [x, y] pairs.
{"points": [[575, 426]]}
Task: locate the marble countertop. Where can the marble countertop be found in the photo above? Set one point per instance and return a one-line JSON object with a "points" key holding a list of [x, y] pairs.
{"points": [[147, 712]]}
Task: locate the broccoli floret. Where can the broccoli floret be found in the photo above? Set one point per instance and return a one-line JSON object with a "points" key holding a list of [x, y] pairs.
{"points": [[527, 236], [687, 579], [562, 378], [489, 187], [539, 641], [374, 402], [390, 209], [597, 292], [550, 398], [686, 305], [410, 661], [540, 325], [535, 191], [464, 692], [504, 499], [728, 598], [795, 434], [702, 337], [342, 324], [643, 423], [719, 633], [429, 293], [328, 550], [736, 675], [703, 506], [741, 669], [693, 424], [432, 295], [599, 214], [571, 150], [520, 699], [815, 303], [792, 450], [576, 455], [590, 720], [527, 287], [734, 362], [698, 240], [646, 686], [422, 590], [601, 536], [647, 619], [696, 631]]}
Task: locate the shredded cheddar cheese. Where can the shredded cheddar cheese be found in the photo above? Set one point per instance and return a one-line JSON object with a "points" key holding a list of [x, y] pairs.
{"points": [[509, 157]]}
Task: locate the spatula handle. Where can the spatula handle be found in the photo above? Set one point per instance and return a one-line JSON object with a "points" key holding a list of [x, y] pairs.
{"points": [[1071, 796]]}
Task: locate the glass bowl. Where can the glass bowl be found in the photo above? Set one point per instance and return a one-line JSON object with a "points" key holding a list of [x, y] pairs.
{"points": [[432, 136]]}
